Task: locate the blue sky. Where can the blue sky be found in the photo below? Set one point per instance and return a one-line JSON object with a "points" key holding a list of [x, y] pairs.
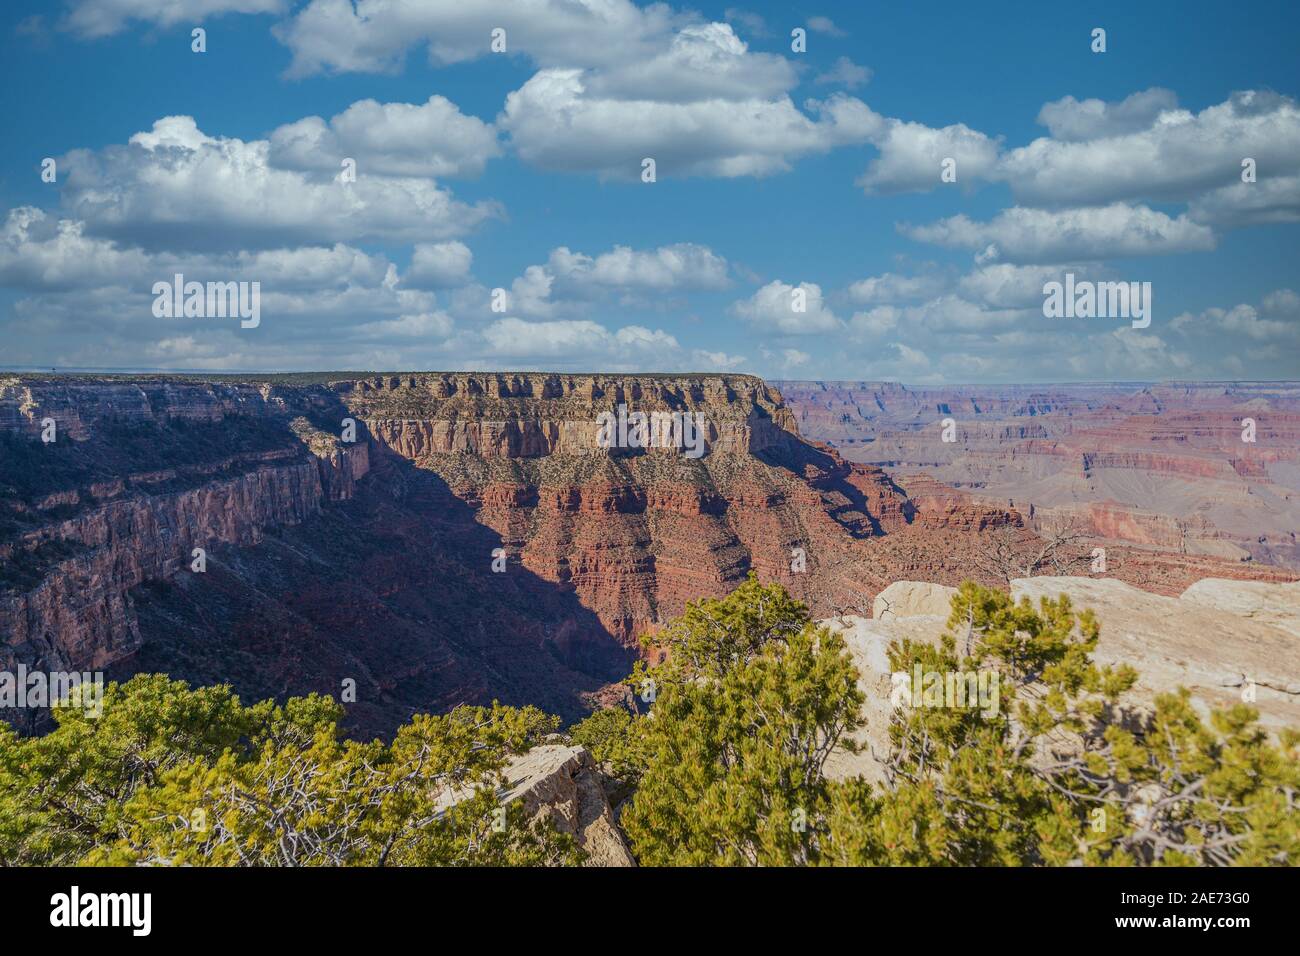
{"points": [[780, 174]]}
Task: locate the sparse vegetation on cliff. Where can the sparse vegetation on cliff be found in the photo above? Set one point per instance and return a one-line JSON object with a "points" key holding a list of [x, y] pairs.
{"points": [[730, 767], [168, 775], [725, 759]]}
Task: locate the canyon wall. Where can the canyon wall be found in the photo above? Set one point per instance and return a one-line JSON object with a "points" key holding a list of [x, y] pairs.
{"points": [[376, 559], [440, 538], [1207, 469]]}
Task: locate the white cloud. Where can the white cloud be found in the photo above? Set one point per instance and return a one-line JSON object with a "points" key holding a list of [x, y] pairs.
{"points": [[436, 265], [910, 359], [1074, 120], [431, 139], [570, 280], [1177, 157], [1003, 285], [845, 73], [911, 156], [176, 187], [98, 18], [703, 62], [41, 253], [716, 361], [680, 266], [876, 322], [773, 307], [555, 122], [1022, 235], [1126, 353], [1281, 302], [374, 35], [890, 287], [949, 313], [793, 358], [576, 340], [1271, 199], [1282, 323], [425, 325], [38, 252], [825, 25]]}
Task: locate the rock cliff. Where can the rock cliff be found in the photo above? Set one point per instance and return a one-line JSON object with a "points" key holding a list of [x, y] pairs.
{"points": [[435, 538], [1225, 641], [430, 538]]}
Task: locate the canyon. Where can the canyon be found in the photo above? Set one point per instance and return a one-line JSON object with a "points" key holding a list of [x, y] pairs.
{"points": [[412, 541], [1207, 469]]}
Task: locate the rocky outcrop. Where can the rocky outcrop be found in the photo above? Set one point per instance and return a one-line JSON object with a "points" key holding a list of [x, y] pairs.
{"points": [[911, 599], [1277, 605], [535, 415], [563, 785], [868, 641], [1214, 651], [1225, 641]]}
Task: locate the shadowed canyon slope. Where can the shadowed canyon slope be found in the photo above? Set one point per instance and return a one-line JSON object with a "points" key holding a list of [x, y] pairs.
{"points": [[1159, 466], [372, 560]]}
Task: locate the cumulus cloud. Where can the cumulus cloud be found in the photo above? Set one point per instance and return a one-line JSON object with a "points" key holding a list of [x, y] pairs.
{"points": [[571, 280], [773, 307], [703, 62], [1123, 353], [679, 266], [176, 187], [874, 323], [793, 358], [38, 252], [573, 340], [1177, 156], [1143, 148], [373, 36], [436, 265], [1281, 302], [716, 361], [891, 287], [911, 155], [1023, 235], [949, 313], [88, 300], [1004, 285], [1074, 120], [431, 139], [556, 122], [1272, 199], [1277, 319], [425, 325]]}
